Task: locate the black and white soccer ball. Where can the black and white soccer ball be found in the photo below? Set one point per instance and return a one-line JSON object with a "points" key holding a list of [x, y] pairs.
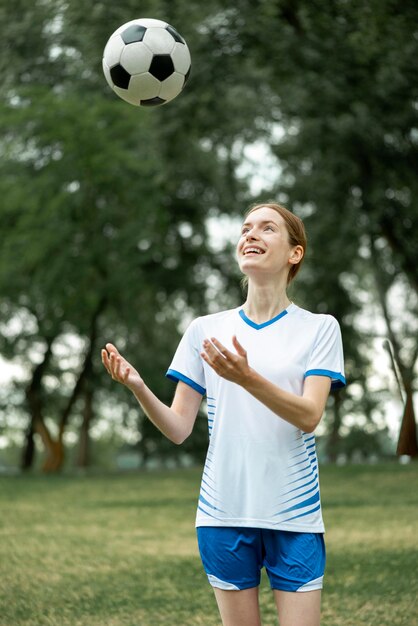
{"points": [[146, 62]]}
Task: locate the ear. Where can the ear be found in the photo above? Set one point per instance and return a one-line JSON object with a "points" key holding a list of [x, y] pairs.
{"points": [[296, 255]]}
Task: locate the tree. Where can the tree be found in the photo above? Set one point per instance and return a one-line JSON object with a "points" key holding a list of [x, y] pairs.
{"points": [[102, 216], [346, 97], [402, 345], [106, 204]]}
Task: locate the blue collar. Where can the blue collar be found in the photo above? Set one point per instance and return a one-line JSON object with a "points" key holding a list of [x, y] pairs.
{"points": [[264, 324]]}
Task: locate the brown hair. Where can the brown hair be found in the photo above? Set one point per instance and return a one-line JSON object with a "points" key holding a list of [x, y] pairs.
{"points": [[295, 230]]}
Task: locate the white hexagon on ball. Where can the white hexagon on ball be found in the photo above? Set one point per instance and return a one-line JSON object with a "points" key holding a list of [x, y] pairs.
{"points": [[113, 50], [171, 86], [126, 95], [144, 87], [181, 58], [136, 58], [159, 40]]}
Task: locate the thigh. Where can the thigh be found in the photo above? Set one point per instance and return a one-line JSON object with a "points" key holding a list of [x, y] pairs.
{"points": [[294, 561], [232, 557], [298, 609], [238, 608]]}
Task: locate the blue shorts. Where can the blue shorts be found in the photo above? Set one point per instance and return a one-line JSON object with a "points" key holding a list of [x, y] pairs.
{"points": [[233, 558]]}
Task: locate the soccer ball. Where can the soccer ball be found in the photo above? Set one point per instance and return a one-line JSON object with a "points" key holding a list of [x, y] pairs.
{"points": [[146, 62]]}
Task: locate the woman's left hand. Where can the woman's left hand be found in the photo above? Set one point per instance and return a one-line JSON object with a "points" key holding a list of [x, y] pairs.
{"points": [[232, 367]]}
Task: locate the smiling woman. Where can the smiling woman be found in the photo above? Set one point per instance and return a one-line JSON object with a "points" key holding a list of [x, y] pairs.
{"points": [[266, 369], [284, 222]]}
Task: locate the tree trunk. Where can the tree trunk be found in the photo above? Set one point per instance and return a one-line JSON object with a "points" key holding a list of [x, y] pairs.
{"points": [[83, 460], [88, 386], [84, 382], [34, 400], [407, 442], [28, 452]]}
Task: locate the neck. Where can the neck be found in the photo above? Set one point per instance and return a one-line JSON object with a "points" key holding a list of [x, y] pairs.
{"points": [[265, 301]]}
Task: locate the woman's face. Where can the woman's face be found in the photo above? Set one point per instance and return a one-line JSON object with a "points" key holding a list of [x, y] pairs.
{"points": [[264, 244]]}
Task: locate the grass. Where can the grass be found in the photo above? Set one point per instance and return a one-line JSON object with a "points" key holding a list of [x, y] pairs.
{"points": [[120, 550]]}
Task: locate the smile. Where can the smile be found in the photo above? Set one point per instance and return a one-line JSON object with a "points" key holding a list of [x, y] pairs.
{"points": [[253, 250]]}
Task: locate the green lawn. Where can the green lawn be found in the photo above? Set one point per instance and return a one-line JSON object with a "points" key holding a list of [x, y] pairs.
{"points": [[121, 550]]}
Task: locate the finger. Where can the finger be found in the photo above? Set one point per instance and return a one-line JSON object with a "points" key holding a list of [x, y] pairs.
{"points": [[210, 349], [118, 367], [238, 347], [111, 348], [217, 364], [113, 364], [224, 351], [105, 360], [126, 375]]}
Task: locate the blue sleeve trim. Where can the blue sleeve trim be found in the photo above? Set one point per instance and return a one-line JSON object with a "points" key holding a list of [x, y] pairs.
{"points": [[176, 376], [338, 380]]}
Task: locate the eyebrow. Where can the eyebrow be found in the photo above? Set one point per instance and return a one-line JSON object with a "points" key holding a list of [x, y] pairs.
{"points": [[263, 223]]}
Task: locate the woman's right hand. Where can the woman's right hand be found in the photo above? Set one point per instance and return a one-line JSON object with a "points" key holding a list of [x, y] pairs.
{"points": [[119, 368]]}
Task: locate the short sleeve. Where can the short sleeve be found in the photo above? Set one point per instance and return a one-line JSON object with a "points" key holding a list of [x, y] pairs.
{"points": [[326, 357], [187, 364]]}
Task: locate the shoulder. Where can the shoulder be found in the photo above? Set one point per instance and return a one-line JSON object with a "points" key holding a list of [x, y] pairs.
{"points": [[318, 319], [206, 323], [215, 318]]}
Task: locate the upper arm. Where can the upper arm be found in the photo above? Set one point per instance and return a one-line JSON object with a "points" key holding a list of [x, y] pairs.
{"points": [[316, 389], [186, 403]]}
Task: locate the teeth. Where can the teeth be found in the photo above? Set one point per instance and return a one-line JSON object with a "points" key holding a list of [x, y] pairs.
{"points": [[256, 250]]}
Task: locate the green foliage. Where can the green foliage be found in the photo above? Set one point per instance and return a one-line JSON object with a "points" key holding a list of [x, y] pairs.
{"points": [[104, 207]]}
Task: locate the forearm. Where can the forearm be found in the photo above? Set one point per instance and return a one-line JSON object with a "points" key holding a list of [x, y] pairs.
{"points": [[170, 423], [299, 411]]}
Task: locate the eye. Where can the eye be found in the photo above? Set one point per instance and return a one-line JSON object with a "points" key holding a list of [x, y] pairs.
{"points": [[268, 227], [244, 230]]}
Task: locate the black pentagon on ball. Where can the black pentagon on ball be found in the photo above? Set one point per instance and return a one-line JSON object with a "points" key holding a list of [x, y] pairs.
{"points": [[152, 102], [175, 34], [162, 66], [133, 33], [187, 76], [120, 76]]}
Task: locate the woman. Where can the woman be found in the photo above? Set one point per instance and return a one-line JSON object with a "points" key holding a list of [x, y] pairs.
{"points": [[267, 369]]}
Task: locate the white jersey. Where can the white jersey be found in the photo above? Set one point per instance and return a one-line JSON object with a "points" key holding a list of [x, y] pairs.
{"points": [[260, 470]]}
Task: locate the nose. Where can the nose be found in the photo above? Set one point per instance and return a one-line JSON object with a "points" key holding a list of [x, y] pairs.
{"points": [[251, 235]]}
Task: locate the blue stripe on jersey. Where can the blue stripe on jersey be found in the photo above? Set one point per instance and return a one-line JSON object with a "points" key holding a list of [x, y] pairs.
{"points": [[264, 324], [206, 503], [302, 477], [290, 519], [305, 460], [300, 495], [302, 468], [338, 380], [207, 512], [314, 479], [211, 404], [176, 376], [303, 453], [207, 484], [207, 492], [312, 500]]}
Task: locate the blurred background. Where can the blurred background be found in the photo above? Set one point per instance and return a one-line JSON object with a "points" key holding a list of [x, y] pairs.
{"points": [[119, 224]]}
